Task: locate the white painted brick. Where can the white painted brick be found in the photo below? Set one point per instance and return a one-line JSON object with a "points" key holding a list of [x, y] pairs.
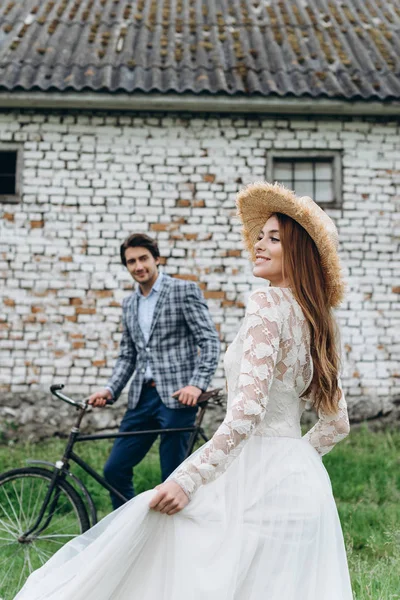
{"points": [[95, 179]]}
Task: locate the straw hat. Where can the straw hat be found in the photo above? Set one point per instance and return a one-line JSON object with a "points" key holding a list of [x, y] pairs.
{"points": [[258, 201]]}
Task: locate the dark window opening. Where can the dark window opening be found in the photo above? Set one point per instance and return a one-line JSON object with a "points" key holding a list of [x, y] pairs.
{"points": [[8, 173], [307, 177]]}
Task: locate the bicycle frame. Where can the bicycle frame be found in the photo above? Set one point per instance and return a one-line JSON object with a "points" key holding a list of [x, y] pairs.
{"points": [[62, 467]]}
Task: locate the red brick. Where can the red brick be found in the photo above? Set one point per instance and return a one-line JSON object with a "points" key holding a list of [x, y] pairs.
{"points": [[186, 277], [77, 345], [214, 294], [75, 301], [103, 293], [36, 309], [209, 177], [85, 311], [99, 363]]}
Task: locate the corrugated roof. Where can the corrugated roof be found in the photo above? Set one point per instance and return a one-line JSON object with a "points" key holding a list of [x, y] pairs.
{"points": [[319, 48]]}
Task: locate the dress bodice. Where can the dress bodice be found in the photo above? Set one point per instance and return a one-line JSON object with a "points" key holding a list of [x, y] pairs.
{"points": [[292, 372], [268, 368]]}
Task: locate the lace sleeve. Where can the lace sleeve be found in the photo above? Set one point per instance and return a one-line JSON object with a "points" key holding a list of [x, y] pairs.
{"points": [[329, 429], [262, 329]]}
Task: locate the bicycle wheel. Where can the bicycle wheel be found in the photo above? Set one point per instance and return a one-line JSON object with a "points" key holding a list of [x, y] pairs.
{"points": [[22, 492]]}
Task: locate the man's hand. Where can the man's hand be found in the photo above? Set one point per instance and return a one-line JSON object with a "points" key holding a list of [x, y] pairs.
{"points": [[169, 499], [100, 398], [188, 395]]}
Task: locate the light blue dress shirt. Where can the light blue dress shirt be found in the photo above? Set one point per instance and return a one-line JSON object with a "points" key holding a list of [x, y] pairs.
{"points": [[146, 306]]}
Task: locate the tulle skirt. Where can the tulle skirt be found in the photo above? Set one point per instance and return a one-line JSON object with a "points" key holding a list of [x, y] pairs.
{"points": [[267, 529]]}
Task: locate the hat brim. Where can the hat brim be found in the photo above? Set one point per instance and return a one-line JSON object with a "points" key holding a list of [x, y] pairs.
{"points": [[258, 201]]}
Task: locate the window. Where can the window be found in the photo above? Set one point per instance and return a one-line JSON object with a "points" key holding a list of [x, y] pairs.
{"points": [[315, 174], [10, 159]]}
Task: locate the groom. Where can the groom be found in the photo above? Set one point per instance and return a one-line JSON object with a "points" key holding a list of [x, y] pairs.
{"points": [[165, 324]]}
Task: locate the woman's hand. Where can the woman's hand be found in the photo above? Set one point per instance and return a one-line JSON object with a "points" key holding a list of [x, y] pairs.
{"points": [[170, 498]]}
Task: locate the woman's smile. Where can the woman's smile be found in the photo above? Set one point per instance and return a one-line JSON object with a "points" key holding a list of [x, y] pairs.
{"points": [[260, 259]]}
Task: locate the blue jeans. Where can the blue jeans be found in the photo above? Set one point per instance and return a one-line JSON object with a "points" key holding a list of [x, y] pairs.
{"points": [[150, 413]]}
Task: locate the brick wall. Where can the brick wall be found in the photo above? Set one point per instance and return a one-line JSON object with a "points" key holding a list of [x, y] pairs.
{"points": [[89, 180]]}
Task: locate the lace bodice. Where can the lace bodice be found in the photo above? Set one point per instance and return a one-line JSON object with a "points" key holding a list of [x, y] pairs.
{"points": [[268, 367]]}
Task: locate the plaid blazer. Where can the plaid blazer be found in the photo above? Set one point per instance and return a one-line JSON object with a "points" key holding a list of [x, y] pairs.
{"points": [[181, 326]]}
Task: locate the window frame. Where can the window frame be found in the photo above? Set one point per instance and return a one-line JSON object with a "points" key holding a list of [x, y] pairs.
{"points": [[334, 156], [13, 198]]}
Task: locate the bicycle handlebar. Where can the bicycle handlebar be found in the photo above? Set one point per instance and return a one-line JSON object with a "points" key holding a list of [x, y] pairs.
{"points": [[55, 390]]}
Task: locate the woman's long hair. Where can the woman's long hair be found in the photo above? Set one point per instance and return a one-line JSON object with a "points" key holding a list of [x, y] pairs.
{"points": [[302, 267]]}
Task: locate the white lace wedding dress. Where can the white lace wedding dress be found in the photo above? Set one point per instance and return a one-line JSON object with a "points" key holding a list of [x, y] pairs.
{"points": [[261, 523]]}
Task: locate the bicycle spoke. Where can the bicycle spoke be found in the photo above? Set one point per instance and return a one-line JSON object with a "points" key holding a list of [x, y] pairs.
{"points": [[3, 547], [7, 573], [7, 558], [60, 544], [6, 529], [9, 524], [21, 500], [42, 553], [60, 520], [28, 510], [43, 558], [21, 574], [9, 540], [29, 562], [9, 528], [55, 513], [12, 509], [34, 511], [57, 535]]}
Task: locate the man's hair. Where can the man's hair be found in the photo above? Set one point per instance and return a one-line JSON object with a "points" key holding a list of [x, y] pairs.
{"points": [[139, 239]]}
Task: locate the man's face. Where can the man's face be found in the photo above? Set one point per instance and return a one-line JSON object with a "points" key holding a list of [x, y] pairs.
{"points": [[141, 264]]}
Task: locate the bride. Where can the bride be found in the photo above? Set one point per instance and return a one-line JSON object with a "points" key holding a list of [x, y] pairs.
{"points": [[250, 515]]}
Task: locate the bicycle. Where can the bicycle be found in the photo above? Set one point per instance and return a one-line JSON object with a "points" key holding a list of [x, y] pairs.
{"points": [[43, 507]]}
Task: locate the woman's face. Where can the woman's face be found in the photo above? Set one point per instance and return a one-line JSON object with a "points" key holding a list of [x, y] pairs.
{"points": [[269, 254]]}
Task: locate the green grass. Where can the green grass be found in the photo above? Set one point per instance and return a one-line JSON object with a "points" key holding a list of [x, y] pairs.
{"points": [[365, 474]]}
